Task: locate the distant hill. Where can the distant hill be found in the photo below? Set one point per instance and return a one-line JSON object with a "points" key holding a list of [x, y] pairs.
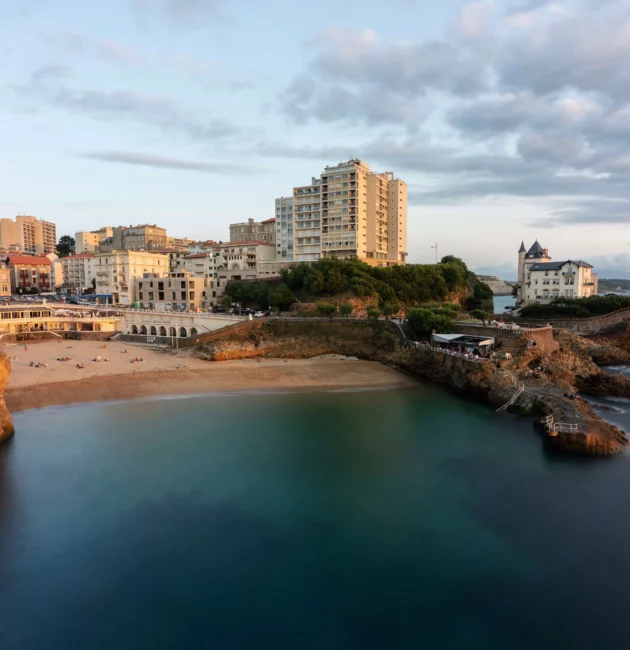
{"points": [[606, 285]]}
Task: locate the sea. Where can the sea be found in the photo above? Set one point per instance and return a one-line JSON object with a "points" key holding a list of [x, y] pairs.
{"points": [[398, 519]]}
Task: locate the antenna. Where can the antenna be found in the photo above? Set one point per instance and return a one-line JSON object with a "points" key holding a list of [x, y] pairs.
{"points": [[436, 252]]}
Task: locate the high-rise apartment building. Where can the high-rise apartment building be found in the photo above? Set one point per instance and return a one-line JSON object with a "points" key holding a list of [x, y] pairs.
{"points": [[307, 230], [349, 211], [284, 228], [251, 230], [28, 234]]}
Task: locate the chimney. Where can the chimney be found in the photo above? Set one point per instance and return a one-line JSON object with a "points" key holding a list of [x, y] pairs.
{"points": [[546, 252]]}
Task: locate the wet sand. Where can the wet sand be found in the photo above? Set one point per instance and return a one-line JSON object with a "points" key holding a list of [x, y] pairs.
{"points": [[158, 374]]}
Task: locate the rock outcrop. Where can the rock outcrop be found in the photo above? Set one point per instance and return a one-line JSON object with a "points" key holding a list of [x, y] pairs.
{"points": [[566, 367], [6, 422]]}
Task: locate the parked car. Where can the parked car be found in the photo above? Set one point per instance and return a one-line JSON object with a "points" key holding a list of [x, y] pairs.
{"points": [[259, 314]]}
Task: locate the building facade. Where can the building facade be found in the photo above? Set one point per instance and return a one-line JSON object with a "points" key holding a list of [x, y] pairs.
{"points": [[251, 230], [284, 228], [78, 272], [135, 238], [307, 223], [30, 272], [5, 280], [115, 272], [86, 242], [177, 291], [540, 280], [29, 235], [349, 211], [240, 261]]}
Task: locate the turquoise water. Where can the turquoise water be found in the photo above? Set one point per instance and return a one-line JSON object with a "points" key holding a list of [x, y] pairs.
{"points": [[501, 302], [370, 520]]}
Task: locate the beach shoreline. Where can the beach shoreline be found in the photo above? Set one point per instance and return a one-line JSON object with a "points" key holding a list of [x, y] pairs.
{"points": [[118, 379]]}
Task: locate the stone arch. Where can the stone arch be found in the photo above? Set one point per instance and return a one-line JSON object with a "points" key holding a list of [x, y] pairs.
{"points": [[153, 330], [193, 331], [183, 333], [162, 331], [172, 332], [143, 329], [134, 329]]}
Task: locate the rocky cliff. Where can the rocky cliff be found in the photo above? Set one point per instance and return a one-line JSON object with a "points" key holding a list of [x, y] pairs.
{"points": [[566, 367], [6, 422]]}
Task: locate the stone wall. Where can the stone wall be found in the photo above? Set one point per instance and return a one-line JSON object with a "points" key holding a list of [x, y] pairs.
{"points": [[517, 337]]}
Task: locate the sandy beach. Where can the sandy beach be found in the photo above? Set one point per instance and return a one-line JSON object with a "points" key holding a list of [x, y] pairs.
{"points": [[61, 382]]}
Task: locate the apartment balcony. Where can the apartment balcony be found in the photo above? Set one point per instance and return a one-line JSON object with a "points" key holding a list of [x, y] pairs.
{"points": [[589, 284], [569, 273]]}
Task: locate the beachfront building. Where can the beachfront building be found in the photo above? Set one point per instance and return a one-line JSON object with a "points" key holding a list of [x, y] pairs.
{"points": [[349, 211], [115, 272], [29, 235], [251, 230], [39, 321], [284, 228], [78, 272], [29, 273], [179, 243], [541, 280], [177, 291]]}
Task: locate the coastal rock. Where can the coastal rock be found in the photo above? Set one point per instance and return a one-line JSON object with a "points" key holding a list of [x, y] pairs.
{"points": [[6, 422], [567, 366]]}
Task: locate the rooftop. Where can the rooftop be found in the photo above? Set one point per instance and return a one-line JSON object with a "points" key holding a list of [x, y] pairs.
{"points": [[556, 266], [32, 260]]}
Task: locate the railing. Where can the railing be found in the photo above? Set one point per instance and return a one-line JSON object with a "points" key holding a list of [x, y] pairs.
{"points": [[202, 314], [553, 428], [519, 391]]}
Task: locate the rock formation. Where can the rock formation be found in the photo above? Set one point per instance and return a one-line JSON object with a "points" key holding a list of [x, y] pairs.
{"points": [[567, 366], [6, 422]]}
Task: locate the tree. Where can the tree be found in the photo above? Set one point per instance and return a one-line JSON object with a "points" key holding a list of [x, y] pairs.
{"points": [[391, 308], [422, 322], [226, 301], [481, 315], [346, 309], [326, 309], [374, 313], [282, 298], [66, 246]]}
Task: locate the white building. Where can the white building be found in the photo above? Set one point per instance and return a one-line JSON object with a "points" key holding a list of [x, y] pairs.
{"points": [[78, 271], [115, 272], [284, 228], [56, 273], [540, 280]]}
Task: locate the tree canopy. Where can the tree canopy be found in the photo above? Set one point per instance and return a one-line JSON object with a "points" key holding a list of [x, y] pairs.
{"points": [[66, 246], [577, 307]]}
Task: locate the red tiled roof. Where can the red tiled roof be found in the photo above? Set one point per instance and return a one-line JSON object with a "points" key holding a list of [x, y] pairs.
{"points": [[30, 260], [269, 220], [196, 256]]}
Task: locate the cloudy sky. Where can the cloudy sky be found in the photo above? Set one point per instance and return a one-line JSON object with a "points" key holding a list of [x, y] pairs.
{"points": [[509, 119]]}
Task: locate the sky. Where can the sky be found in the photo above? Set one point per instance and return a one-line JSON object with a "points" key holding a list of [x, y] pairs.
{"points": [[508, 119]]}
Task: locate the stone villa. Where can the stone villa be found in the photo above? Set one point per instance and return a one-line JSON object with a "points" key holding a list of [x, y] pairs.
{"points": [[540, 280]]}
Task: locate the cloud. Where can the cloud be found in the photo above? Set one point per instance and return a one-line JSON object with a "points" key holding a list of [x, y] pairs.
{"points": [[163, 162], [354, 76], [163, 113], [68, 43], [183, 13]]}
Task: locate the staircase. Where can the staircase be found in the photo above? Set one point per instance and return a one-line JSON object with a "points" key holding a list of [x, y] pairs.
{"points": [[521, 399]]}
